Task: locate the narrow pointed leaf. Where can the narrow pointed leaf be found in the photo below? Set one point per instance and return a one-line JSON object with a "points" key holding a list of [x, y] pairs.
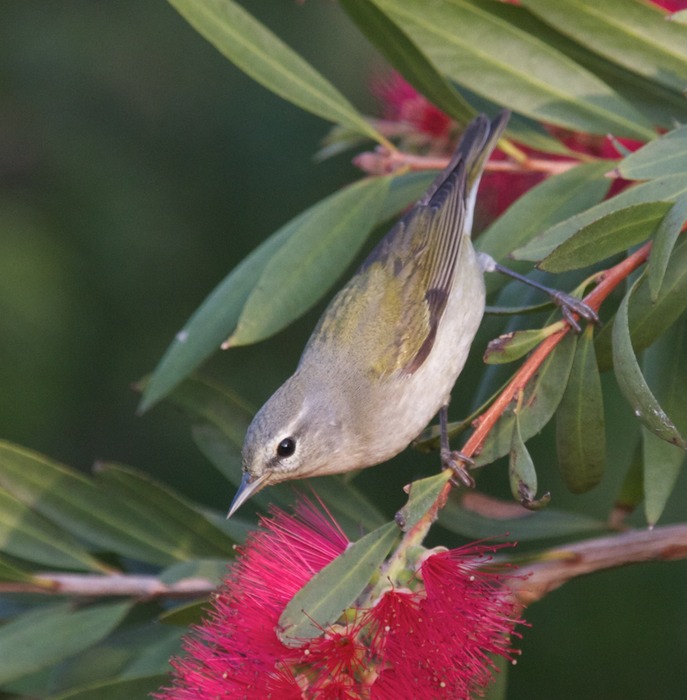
{"points": [[265, 58], [611, 234], [469, 40], [663, 189], [659, 158], [322, 601], [211, 570], [310, 261], [647, 319], [407, 58], [76, 504], [187, 532], [27, 535], [218, 316], [422, 495], [133, 651], [680, 17], [666, 237], [521, 472], [665, 369], [9, 572], [633, 385], [580, 427], [542, 396], [512, 346], [631, 33], [47, 635], [554, 200]]}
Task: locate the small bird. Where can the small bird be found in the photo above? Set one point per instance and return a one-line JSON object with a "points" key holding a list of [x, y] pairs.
{"points": [[387, 351]]}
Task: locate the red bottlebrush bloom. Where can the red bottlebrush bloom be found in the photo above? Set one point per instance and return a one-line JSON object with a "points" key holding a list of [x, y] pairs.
{"points": [[671, 5], [430, 639]]}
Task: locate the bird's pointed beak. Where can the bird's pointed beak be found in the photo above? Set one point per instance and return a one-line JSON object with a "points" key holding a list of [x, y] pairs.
{"points": [[248, 487]]}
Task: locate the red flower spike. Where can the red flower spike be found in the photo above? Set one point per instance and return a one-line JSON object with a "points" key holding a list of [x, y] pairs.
{"points": [[438, 642], [236, 653], [433, 640]]}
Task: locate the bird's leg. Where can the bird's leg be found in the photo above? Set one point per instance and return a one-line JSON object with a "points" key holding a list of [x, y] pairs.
{"points": [[452, 459], [568, 304]]}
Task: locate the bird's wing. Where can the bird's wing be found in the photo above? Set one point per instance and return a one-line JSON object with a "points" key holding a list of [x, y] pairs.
{"points": [[387, 316]]}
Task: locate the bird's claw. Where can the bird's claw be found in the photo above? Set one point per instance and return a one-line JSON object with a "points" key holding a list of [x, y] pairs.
{"points": [[458, 463], [570, 306]]}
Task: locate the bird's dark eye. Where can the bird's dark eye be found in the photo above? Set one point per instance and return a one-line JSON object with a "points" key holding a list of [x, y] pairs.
{"points": [[286, 447]]}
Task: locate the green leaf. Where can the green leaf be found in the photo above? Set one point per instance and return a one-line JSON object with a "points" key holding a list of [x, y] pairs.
{"points": [[665, 370], [530, 525], [521, 472], [177, 525], [27, 535], [554, 200], [659, 158], [633, 385], [662, 106], [631, 33], [541, 398], [264, 57], [133, 651], [118, 689], [666, 237], [333, 589], [680, 17], [580, 427], [407, 58], [76, 504], [648, 319], [423, 493], [663, 189], [46, 636], [479, 45], [310, 261], [512, 346], [611, 234], [9, 572], [218, 316], [212, 570]]}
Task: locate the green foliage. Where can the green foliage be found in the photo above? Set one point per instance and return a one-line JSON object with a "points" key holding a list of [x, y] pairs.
{"points": [[614, 67]]}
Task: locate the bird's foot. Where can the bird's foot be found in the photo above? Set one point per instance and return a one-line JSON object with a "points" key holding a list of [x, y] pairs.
{"points": [[570, 305], [459, 464]]}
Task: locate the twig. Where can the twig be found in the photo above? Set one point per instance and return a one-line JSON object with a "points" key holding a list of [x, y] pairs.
{"points": [[558, 566], [552, 569], [382, 161], [101, 586]]}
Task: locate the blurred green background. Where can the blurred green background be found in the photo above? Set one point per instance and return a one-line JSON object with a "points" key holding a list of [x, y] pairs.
{"points": [[137, 166]]}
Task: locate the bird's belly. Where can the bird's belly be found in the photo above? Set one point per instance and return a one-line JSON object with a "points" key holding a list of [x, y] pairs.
{"points": [[405, 403]]}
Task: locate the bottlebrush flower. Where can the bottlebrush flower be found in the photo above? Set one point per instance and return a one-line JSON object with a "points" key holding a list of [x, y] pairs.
{"points": [[431, 636]]}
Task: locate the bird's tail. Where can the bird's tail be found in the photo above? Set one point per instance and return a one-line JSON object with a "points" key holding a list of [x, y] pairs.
{"points": [[473, 151]]}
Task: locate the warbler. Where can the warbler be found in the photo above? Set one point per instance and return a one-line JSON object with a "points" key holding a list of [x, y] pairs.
{"points": [[388, 349]]}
